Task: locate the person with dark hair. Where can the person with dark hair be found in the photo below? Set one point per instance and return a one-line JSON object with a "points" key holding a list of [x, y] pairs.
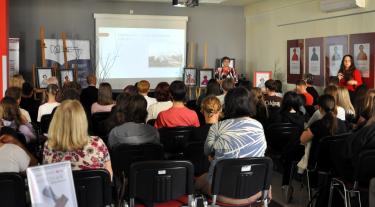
{"points": [[69, 94], [226, 85], [279, 88], [225, 71], [130, 89], [301, 88], [238, 136], [163, 99], [262, 114], [309, 79], [28, 102], [178, 114], [105, 101], [333, 80], [89, 95], [16, 94], [134, 130], [271, 99], [349, 76], [50, 103], [213, 88]]}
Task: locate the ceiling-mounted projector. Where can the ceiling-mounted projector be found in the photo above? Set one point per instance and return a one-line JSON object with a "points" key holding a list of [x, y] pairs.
{"points": [[185, 3]]}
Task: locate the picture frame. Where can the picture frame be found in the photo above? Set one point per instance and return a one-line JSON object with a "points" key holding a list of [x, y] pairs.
{"points": [[204, 76], [42, 75], [219, 64], [190, 76], [260, 77], [66, 75]]}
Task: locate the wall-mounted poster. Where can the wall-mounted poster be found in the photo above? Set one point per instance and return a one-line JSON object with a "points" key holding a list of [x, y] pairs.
{"points": [[314, 61], [295, 55], [336, 47], [362, 48], [336, 52], [260, 78], [362, 58]]}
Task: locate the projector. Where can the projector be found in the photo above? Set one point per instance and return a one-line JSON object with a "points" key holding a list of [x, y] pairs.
{"points": [[185, 3]]}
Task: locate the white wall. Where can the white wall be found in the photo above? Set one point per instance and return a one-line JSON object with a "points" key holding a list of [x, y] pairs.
{"points": [[270, 23]]}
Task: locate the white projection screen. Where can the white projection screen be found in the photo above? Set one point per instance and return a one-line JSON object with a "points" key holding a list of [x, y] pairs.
{"points": [[130, 48]]}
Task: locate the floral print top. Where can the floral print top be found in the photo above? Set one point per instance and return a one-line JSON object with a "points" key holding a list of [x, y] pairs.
{"points": [[92, 156]]}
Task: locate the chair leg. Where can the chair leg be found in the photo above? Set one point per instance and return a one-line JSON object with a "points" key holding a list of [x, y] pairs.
{"points": [[309, 187], [132, 202], [214, 197], [330, 194]]}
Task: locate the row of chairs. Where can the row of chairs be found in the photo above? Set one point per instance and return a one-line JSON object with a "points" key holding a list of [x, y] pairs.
{"points": [[153, 182]]}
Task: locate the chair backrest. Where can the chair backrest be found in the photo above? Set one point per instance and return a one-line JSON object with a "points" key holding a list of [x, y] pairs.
{"points": [[194, 152], [279, 135], [365, 168], [160, 181], [242, 178], [175, 139], [123, 155], [93, 187], [45, 121], [12, 190]]}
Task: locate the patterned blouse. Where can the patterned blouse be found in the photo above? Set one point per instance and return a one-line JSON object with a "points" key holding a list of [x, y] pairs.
{"points": [[92, 156], [235, 138]]}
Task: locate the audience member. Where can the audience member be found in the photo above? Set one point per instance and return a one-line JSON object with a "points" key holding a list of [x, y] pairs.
{"points": [[238, 134], [89, 95], [343, 100], [68, 142], [301, 88], [134, 130], [333, 80], [163, 101], [143, 87], [50, 103], [227, 84], [117, 116], [28, 102], [16, 94], [309, 79], [271, 99], [368, 108], [213, 88], [130, 89], [53, 80], [178, 114], [261, 114], [16, 81], [279, 88], [105, 101]]}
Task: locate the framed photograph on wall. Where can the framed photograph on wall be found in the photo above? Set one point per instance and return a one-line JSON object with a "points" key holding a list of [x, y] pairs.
{"points": [[42, 75], [204, 76], [65, 76], [261, 77], [190, 76]]}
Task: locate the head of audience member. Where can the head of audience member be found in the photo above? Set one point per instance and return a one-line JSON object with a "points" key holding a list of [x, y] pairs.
{"points": [[257, 95], [291, 102], [11, 112], [347, 67], [331, 90], [309, 79], [261, 107], [213, 88], [91, 80], [63, 133], [177, 90], [333, 80], [327, 107], [279, 86], [369, 103], [245, 84], [359, 99], [227, 84], [15, 93], [162, 92], [53, 80], [131, 90], [136, 109], [51, 93], [225, 61], [301, 87], [117, 116], [211, 109], [69, 94], [343, 100], [238, 103], [72, 84], [16, 81], [105, 94], [143, 87], [271, 87], [27, 90]]}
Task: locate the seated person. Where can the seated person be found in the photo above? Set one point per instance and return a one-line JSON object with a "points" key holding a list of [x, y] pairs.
{"points": [[262, 114], [368, 108], [178, 115], [68, 140], [211, 110], [143, 89], [309, 79], [301, 88], [50, 103], [105, 101], [238, 134], [28, 102], [163, 101], [89, 95], [16, 94], [226, 85], [134, 130], [213, 89], [271, 99]]}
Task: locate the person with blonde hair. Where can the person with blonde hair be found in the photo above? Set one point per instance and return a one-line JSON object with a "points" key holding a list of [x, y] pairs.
{"points": [[143, 89], [50, 103], [68, 140], [368, 109], [343, 100], [16, 81], [105, 101]]}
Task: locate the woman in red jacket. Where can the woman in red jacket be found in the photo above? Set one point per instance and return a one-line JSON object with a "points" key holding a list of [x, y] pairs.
{"points": [[348, 75]]}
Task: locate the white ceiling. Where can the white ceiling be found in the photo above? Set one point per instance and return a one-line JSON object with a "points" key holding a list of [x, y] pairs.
{"points": [[222, 2]]}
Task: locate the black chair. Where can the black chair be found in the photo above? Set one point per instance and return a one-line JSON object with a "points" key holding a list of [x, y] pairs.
{"points": [[12, 190], [279, 136], [174, 140], [194, 152], [160, 181], [363, 172], [97, 120], [45, 121], [242, 178], [93, 187]]}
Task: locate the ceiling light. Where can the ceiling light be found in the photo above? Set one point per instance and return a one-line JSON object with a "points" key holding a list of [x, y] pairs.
{"points": [[185, 3]]}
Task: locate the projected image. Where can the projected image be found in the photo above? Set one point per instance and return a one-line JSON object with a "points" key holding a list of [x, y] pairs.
{"points": [[165, 56]]}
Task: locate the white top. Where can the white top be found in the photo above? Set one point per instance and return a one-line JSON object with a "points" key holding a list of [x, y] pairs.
{"points": [[13, 158], [158, 107], [221, 98], [150, 101], [96, 108], [46, 108], [25, 114], [317, 115]]}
